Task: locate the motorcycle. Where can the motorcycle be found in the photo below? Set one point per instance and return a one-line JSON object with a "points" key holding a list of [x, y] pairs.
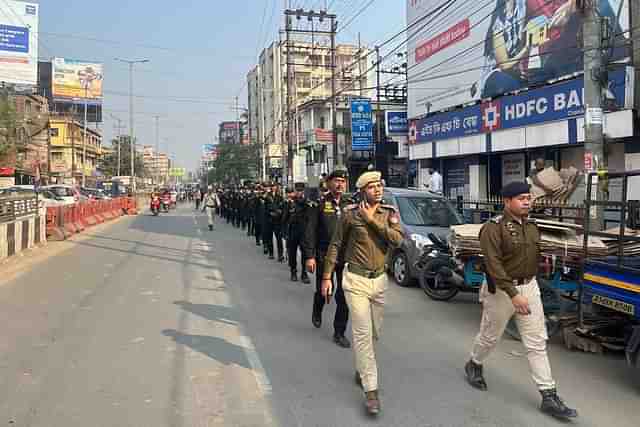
{"points": [[155, 205], [442, 276], [166, 203]]}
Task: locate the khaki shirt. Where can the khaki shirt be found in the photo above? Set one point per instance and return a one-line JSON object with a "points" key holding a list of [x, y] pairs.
{"points": [[510, 250], [365, 244]]}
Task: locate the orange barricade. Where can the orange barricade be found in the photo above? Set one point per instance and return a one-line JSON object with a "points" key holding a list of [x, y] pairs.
{"points": [[77, 215]]}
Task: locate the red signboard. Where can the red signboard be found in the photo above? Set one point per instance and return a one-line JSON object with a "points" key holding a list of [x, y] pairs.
{"points": [[323, 135], [458, 32], [7, 171], [230, 125]]}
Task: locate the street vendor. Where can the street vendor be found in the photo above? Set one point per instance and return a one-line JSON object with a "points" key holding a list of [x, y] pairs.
{"points": [[509, 244]]}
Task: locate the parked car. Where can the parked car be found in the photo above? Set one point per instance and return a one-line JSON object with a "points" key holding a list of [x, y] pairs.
{"points": [[421, 213], [49, 199], [66, 192]]}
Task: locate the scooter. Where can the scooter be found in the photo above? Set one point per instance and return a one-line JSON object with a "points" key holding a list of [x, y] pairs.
{"points": [[166, 203], [155, 205], [442, 276]]}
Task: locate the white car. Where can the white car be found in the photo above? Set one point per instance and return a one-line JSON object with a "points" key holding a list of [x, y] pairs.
{"points": [[66, 192]]}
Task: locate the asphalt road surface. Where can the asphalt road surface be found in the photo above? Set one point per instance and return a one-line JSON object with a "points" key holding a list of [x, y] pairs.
{"points": [[155, 321]]}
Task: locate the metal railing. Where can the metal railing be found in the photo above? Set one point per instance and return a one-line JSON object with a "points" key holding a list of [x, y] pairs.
{"points": [[14, 207]]}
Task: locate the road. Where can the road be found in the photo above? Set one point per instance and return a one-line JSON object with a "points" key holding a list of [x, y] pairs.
{"points": [[155, 321]]}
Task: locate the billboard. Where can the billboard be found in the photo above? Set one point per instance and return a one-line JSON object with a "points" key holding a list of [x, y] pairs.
{"points": [[461, 53], [396, 122], [76, 81], [361, 125], [19, 43], [560, 101]]}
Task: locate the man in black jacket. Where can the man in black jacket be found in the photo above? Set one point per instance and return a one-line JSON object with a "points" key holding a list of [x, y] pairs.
{"points": [[322, 222], [295, 219]]}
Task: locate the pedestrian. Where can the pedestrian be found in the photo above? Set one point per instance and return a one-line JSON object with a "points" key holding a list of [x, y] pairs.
{"points": [[275, 209], [294, 222], [258, 215], [198, 199], [267, 225], [366, 234], [435, 182], [322, 222], [211, 203], [510, 246]]}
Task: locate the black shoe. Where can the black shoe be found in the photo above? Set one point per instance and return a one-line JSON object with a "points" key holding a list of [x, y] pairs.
{"points": [[554, 406], [358, 380], [294, 276], [474, 375], [271, 256], [342, 341], [305, 279], [258, 243], [280, 259], [316, 320], [211, 228]]}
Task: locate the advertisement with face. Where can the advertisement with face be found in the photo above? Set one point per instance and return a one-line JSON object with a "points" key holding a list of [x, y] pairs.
{"points": [[461, 52], [77, 81]]}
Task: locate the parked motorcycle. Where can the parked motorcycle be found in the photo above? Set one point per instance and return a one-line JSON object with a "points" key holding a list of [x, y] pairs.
{"points": [[442, 276], [155, 205]]}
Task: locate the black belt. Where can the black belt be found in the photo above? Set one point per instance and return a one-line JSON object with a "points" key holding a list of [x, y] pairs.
{"points": [[368, 274], [522, 281]]}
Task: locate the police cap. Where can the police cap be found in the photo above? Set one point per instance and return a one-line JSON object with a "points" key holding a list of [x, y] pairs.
{"points": [[368, 178], [515, 188], [338, 173]]}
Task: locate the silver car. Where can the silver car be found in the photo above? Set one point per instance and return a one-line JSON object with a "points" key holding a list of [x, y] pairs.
{"points": [[421, 213]]}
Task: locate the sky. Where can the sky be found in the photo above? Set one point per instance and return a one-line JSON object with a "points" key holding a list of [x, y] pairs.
{"points": [[199, 51]]}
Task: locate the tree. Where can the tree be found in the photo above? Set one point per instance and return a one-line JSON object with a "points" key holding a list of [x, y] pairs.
{"points": [[234, 163], [8, 124], [109, 163]]}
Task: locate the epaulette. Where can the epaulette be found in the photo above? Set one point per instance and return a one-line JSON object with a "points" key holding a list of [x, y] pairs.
{"points": [[497, 219], [311, 204]]}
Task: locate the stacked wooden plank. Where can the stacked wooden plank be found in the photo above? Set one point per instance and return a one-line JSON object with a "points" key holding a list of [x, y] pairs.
{"points": [[628, 248]]}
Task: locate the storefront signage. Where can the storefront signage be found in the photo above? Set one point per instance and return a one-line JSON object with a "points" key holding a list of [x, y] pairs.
{"points": [[551, 103], [396, 122]]}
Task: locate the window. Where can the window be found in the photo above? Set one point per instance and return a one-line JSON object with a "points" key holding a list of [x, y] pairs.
{"points": [[424, 211], [322, 122]]}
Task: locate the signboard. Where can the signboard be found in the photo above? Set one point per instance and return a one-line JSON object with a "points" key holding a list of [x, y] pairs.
{"points": [[19, 43], [396, 122], [512, 168], [549, 103], [76, 81], [179, 172], [275, 150], [467, 51], [208, 148], [361, 125]]}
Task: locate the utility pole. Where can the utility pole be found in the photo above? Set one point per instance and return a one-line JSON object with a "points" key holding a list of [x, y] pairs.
{"points": [[595, 158], [378, 121], [287, 165], [237, 122], [119, 133], [131, 63], [360, 66], [84, 137], [156, 157], [338, 160]]}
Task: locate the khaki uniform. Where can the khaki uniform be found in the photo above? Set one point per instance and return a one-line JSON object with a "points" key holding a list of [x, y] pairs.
{"points": [[511, 256], [365, 246]]}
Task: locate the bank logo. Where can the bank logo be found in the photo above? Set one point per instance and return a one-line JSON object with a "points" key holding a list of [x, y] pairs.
{"points": [[491, 119]]}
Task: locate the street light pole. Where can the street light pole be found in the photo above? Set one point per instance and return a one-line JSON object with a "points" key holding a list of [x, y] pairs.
{"points": [[84, 138], [131, 134]]}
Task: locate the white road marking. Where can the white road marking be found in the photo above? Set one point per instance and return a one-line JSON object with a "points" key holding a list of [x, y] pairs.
{"points": [[264, 384]]}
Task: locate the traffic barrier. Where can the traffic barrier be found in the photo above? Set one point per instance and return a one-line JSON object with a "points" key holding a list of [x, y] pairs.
{"points": [[22, 233]]}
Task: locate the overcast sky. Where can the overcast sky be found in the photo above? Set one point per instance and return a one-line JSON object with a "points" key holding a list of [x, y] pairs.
{"points": [[200, 53]]}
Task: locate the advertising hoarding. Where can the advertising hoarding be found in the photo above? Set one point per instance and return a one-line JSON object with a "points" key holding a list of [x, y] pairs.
{"points": [[19, 43], [396, 122], [467, 52], [549, 103], [76, 81], [361, 125]]}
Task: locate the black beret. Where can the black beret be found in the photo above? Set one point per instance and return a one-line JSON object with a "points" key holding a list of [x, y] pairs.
{"points": [[515, 188], [299, 186], [338, 173]]}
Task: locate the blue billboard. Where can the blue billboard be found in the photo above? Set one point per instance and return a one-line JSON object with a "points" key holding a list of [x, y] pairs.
{"points": [[397, 122], [551, 103], [14, 39], [361, 125]]}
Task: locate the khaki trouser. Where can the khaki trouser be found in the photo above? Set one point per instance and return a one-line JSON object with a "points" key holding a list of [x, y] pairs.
{"points": [[211, 215], [365, 299], [496, 313]]}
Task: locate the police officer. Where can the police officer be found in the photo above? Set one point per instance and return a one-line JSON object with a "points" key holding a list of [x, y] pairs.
{"points": [[322, 222], [251, 206], [267, 224], [258, 214], [365, 235], [510, 246], [276, 210], [294, 221]]}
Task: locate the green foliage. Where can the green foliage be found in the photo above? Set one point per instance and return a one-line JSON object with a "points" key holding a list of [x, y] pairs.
{"points": [[8, 124], [234, 163], [109, 163]]}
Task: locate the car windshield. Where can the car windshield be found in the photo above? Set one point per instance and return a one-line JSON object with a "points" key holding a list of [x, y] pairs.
{"points": [[62, 191], [425, 211]]}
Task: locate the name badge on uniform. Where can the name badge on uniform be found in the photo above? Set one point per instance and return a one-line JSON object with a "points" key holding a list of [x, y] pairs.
{"points": [[328, 207]]}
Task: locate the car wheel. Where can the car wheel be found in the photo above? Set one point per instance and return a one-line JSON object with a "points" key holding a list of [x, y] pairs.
{"points": [[400, 269]]}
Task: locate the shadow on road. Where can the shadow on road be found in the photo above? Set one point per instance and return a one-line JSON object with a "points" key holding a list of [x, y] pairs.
{"points": [[216, 348], [218, 313]]}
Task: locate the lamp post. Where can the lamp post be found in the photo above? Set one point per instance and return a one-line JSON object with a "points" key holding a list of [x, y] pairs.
{"points": [[131, 63]]}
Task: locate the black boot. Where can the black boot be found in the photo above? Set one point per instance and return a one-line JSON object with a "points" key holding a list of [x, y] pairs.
{"points": [[341, 340], [554, 406], [305, 278], [211, 228], [474, 375], [294, 276]]}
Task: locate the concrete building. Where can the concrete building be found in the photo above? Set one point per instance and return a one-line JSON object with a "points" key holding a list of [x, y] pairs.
{"points": [[156, 165], [67, 162]]}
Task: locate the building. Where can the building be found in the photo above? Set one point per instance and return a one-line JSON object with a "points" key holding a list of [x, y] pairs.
{"points": [[68, 143], [312, 82], [483, 127], [156, 165]]}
